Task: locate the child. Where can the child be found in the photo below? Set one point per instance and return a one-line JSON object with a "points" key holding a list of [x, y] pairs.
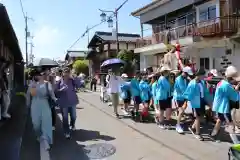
{"points": [[155, 101], [145, 94], [135, 92], [125, 93], [198, 95], [163, 94]]}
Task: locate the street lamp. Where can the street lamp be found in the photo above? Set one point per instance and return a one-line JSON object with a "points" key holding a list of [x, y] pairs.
{"points": [[103, 16], [110, 22]]}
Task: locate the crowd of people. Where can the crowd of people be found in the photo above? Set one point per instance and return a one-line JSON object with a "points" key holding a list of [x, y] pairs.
{"points": [[48, 90], [188, 90]]}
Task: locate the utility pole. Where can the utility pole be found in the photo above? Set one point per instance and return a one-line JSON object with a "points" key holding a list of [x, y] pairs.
{"points": [[31, 55], [27, 34]]}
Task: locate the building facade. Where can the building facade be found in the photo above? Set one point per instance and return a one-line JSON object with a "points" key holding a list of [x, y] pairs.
{"points": [[103, 46], [206, 30]]}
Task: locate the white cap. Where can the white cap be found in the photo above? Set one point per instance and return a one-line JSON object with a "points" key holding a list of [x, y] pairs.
{"points": [[188, 70], [214, 72], [231, 71], [124, 75]]}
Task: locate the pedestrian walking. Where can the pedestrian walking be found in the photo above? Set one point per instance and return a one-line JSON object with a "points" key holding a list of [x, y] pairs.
{"points": [[197, 96], [67, 100], [113, 88], [125, 94], [163, 94], [39, 95], [180, 86], [226, 100], [135, 91]]}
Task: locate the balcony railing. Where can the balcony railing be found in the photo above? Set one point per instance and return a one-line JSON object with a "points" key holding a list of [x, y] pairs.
{"points": [[221, 26]]}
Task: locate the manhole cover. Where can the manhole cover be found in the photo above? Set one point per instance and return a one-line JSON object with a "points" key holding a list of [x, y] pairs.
{"points": [[99, 150]]}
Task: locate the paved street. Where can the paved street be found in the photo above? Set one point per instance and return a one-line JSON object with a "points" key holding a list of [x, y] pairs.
{"points": [[123, 138], [185, 145]]}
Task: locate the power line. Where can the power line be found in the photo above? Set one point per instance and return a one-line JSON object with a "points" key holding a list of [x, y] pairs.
{"points": [[21, 4], [87, 31]]}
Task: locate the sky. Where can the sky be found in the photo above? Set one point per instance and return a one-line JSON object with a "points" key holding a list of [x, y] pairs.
{"points": [[56, 24]]}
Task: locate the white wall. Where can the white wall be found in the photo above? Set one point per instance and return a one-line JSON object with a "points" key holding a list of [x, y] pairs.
{"points": [[146, 61]]}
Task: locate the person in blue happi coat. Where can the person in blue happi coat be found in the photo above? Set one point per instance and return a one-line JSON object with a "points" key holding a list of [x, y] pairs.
{"points": [[155, 101], [135, 92], [145, 90], [180, 86], [125, 93], [197, 94], [226, 98], [163, 95]]}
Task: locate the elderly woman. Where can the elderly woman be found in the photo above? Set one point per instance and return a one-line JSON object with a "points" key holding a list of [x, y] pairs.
{"points": [[67, 100], [226, 99], [39, 95]]}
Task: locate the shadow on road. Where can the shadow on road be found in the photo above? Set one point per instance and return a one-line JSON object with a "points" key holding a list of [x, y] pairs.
{"points": [[87, 135]]}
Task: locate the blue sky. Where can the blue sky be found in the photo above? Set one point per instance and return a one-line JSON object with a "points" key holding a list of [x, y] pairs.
{"points": [[58, 23]]}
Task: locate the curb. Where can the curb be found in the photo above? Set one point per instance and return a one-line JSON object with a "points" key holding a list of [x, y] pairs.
{"points": [[137, 130]]}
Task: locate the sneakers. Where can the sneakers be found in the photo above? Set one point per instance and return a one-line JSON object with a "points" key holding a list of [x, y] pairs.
{"points": [[73, 128], [162, 126], [67, 136], [53, 128], [199, 137], [179, 129], [6, 115]]}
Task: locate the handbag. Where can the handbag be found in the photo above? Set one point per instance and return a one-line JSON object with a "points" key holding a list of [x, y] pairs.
{"points": [[51, 102]]}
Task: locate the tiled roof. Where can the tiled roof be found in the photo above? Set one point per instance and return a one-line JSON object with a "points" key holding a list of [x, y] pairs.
{"points": [[124, 37], [77, 53]]}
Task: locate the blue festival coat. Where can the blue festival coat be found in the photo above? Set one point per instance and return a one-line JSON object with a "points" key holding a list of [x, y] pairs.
{"points": [[224, 93], [144, 90], [124, 88], [179, 88], [135, 90], [163, 90], [154, 91], [193, 95]]}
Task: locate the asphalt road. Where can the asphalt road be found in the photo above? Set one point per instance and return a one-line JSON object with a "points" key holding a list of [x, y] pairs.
{"points": [[100, 135]]}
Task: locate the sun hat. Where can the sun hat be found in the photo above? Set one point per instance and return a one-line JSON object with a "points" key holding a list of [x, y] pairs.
{"points": [[124, 75], [165, 68], [231, 72], [188, 70]]}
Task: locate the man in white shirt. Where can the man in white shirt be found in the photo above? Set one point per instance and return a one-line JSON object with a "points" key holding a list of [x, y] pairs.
{"points": [[113, 85]]}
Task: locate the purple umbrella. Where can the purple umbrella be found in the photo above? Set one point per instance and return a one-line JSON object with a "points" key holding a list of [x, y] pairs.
{"points": [[113, 61]]}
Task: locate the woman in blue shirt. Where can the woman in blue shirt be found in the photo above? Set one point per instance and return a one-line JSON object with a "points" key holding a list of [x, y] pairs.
{"points": [[125, 93], [163, 94], [155, 101]]}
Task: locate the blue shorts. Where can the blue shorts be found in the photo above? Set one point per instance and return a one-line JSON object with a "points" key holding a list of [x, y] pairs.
{"points": [[137, 100]]}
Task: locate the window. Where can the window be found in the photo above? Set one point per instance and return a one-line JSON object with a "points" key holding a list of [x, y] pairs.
{"points": [[207, 13], [190, 18], [182, 21], [204, 63]]}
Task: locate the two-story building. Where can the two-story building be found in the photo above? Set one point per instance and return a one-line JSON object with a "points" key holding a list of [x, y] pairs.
{"points": [[103, 46], [73, 55], [206, 30]]}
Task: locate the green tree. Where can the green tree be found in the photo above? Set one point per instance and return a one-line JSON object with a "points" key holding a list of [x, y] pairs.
{"points": [[128, 57], [80, 66]]}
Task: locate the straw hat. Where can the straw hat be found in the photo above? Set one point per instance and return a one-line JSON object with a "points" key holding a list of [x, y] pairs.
{"points": [[231, 72], [165, 68]]}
